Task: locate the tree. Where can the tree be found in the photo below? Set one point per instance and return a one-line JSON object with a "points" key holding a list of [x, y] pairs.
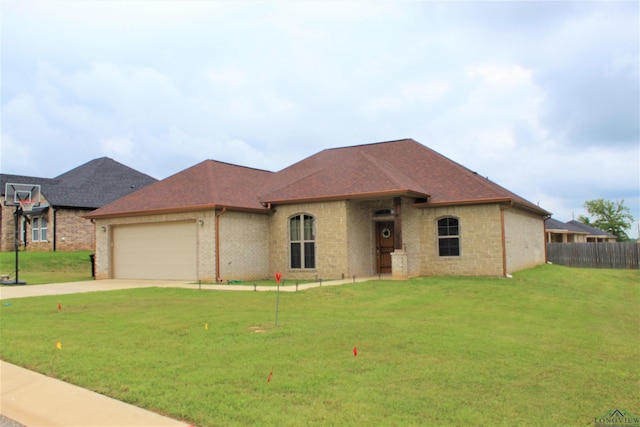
{"points": [[609, 216]]}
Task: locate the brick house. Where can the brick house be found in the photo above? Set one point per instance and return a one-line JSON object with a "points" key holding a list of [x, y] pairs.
{"points": [[393, 207], [575, 232], [60, 224]]}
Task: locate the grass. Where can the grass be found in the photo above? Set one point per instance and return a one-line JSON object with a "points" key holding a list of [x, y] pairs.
{"points": [[47, 267], [552, 346], [267, 282]]}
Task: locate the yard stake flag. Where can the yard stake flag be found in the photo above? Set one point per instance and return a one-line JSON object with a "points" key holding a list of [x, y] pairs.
{"points": [[59, 345], [269, 377], [59, 307], [355, 351], [278, 277], [206, 326]]}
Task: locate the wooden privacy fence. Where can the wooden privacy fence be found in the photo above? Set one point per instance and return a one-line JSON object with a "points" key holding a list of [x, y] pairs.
{"points": [[595, 255]]}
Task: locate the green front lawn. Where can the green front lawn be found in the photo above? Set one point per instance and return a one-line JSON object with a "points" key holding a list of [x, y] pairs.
{"points": [[47, 267], [552, 346]]}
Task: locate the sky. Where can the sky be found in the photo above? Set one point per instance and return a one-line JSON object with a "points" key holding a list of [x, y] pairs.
{"points": [[541, 97]]}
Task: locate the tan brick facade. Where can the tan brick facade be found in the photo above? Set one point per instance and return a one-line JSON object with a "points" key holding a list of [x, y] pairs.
{"points": [[524, 239], [244, 246], [480, 241], [332, 253], [253, 246]]}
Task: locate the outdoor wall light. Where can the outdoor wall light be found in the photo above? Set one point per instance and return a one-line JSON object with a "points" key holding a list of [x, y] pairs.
{"points": [[200, 222], [103, 228]]}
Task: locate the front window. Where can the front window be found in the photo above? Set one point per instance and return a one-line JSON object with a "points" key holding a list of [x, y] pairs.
{"points": [[302, 238], [39, 229], [448, 237]]}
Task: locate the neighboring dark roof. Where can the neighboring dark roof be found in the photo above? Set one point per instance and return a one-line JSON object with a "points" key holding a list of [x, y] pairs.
{"points": [[591, 230], [400, 168], [44, 183], [88, 186], [553, 224]]}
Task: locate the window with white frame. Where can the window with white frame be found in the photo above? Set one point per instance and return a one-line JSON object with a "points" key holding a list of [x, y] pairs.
{"points": [[448, 237], [39, 229], [302, 241]]}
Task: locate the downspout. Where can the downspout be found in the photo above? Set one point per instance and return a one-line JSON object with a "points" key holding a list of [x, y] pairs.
{"points": [[504, 240], [218, 215], [55, 226], [545, 238]]}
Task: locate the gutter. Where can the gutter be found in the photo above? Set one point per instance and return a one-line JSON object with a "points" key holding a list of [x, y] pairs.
{"points": [[218, 215], [531, 208], [354, 196], [171, 211], [504, 242]]}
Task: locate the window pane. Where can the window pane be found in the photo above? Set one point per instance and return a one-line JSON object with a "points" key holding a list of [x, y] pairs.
{"points": [[43, 229], [308, 228], [294, 226], [35, 229], [448, 227], [449, 246], [309, 255], [295, 255]]}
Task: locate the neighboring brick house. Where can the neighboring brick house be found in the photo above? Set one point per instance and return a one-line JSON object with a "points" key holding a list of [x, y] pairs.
{"points": [[575, 232], [65, 200], [394, 208]]}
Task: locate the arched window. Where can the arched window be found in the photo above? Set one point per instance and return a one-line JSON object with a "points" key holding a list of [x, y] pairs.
{"points": [[448, 237], [302, 241]]}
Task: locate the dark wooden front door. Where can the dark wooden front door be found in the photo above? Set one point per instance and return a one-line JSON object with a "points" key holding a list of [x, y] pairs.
{"points": [[384, 246]]}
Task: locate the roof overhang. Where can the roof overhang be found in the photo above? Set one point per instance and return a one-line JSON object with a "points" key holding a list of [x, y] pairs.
{"points": [[198, 208], [338, 197], [502, 200], [37, 210]]}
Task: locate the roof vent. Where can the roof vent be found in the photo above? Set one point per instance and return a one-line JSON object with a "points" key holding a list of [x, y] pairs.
{"points": [[384, 212]]}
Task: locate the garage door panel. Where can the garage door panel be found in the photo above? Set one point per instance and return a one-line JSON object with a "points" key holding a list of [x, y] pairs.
{"points": [[165, 251]]}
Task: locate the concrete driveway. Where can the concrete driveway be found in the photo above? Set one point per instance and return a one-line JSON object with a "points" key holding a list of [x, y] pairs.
{"points": [[23, 291]]}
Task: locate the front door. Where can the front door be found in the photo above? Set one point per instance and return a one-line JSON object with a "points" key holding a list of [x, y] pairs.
{"points": [[384, 246]]}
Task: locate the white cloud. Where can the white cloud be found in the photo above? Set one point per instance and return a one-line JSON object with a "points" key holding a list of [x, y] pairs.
{"points": [[541, 97]]}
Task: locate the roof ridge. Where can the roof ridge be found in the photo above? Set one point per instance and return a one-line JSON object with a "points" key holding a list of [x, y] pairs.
{"points": [[385, 166], [370, 143], [236, 166], [271, 190]]}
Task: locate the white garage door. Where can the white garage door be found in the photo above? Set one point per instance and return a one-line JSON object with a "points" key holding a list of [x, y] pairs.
{"points": [[165, 251]]}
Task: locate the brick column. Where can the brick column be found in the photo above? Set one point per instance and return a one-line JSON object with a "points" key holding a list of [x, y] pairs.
{"points": [[399, 265]]}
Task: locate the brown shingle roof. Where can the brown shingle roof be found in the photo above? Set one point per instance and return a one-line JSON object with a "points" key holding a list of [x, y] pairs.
{"points": [[403, 167], [203, 186]]}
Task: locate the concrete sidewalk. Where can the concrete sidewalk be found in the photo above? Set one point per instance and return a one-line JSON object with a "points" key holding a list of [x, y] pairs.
{"points": [[36, 400]]}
